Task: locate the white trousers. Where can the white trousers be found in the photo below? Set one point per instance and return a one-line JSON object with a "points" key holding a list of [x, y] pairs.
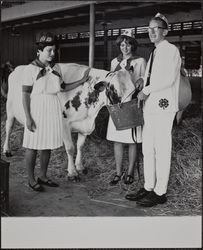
{"points": [[156, 145]]}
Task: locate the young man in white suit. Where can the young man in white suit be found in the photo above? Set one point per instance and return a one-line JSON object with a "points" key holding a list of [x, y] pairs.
{"points": [[160, 99]]}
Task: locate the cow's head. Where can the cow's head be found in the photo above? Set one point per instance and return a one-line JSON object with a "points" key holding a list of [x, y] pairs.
{"points": [[118, 86]]}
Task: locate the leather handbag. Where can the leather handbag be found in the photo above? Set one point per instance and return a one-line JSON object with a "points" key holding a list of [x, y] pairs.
{"points": [[126, 115]]}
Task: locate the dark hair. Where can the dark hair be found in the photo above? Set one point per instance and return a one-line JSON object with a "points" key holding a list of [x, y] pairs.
{"points": [[164, 24], [128, 39], [41, 46]]}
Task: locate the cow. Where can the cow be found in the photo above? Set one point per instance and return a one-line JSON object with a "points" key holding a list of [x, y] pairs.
{"points": [[80, 106]]}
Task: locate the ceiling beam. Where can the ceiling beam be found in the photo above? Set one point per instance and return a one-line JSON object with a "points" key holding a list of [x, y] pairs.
{"points": [[35, 8], [114, 12]]}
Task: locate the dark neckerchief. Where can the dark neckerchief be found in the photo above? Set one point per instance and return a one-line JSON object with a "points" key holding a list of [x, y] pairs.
{"points": [[42, 72], [120, 59]]}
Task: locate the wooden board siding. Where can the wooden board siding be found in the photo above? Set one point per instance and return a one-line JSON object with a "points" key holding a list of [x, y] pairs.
{"points": [[18, 49]]}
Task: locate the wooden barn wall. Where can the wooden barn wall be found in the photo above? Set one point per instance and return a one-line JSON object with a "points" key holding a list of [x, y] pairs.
{"points": [[19, 49], [78, 53]]}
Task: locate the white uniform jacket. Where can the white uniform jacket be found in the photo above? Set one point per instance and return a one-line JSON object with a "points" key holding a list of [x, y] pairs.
{"points": [[164, 81], [139, 65]]}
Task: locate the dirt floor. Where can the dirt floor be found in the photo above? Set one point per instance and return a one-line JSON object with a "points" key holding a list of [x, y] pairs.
{"points": [[70, 198]]}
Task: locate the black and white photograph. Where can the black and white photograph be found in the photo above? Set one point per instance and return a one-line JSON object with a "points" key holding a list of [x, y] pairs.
{"points": [[101, 124]]}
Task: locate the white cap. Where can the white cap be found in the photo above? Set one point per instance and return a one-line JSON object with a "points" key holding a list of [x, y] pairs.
{"points": [[128, 33], [163, 18]]}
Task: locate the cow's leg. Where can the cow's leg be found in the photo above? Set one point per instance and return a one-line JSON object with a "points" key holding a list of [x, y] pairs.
{"points": [[78, 161], [9, 125], [70, 150]]}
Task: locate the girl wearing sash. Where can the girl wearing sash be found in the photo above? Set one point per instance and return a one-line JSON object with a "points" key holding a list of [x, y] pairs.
{"points": [[127, 60], [43, 115]]}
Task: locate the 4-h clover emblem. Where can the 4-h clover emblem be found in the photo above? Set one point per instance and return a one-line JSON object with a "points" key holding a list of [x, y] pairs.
{"points": [[163, 103]]}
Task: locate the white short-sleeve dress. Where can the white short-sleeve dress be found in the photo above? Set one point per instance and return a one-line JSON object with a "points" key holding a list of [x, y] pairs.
{"points": [[45, 109], [128, 135]]}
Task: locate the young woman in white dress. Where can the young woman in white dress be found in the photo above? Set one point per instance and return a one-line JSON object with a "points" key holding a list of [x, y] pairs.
{"points": [[43, 115], [126, 60]]}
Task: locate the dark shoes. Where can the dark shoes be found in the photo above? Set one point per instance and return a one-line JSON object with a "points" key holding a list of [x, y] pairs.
{"points": [[115, 180], [47, 183], [36, 187], [129, 179], [152, 199], [137, 196]]}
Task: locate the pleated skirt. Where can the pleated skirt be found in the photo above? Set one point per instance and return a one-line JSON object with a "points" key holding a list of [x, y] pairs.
{"points": [[132, 135], [47, 115]]}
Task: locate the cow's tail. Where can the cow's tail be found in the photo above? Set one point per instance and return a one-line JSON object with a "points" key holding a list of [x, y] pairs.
{"points": [[4, 87], [4, 81]]}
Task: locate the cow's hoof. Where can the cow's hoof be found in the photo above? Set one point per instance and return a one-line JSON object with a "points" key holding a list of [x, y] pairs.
{"points": [[77, 178], [8, 154], [74, 178], [85, 171]]}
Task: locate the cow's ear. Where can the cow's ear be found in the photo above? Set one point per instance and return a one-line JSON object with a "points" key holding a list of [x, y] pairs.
{"points": [[100, 86], [131, 70]]}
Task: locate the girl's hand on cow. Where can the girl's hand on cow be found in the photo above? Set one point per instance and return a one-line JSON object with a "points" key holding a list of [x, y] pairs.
{"points": [[30, 124]]}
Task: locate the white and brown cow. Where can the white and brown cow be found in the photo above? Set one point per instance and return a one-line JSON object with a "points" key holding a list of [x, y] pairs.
{"points": [[80, 106]]}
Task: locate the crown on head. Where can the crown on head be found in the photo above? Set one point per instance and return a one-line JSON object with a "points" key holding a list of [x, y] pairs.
{"points": [[46, 38], [128, 33], [161, 16]]}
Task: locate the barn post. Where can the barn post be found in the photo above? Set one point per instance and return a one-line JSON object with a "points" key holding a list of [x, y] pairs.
{"points": [[202, 69], [105, 45], [104, 24], [92, 35]]}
